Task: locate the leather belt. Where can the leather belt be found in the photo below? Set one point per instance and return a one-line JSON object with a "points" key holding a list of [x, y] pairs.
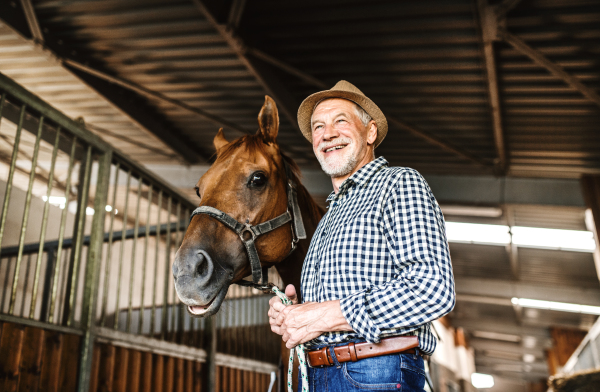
{"points": [[356, 351]]}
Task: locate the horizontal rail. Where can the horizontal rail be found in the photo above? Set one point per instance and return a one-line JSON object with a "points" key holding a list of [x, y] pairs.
{"points": [[117, 236], [156, 346], [39, 324]]}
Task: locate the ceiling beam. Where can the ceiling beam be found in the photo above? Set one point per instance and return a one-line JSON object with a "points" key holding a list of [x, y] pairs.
{"points": [[130, 104], [489, 25], [507, 289], [544, 62], [286, 103], [32, 21], [235, 13]]}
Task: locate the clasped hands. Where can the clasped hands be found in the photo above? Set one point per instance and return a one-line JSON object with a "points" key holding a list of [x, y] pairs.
{"points": [[299, 323]]}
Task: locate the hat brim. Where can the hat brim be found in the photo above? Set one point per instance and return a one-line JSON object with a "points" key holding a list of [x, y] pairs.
{"points": [[307, 107]]}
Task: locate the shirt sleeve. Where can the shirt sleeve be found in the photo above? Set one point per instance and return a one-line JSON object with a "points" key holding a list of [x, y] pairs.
{"points": [[422, 289]]}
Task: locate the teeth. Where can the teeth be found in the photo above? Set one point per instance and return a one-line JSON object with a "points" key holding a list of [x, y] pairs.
{"points": [[334, 148]]}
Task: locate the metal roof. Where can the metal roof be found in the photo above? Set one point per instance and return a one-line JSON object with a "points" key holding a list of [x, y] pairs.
{"points": [[157, 78]]}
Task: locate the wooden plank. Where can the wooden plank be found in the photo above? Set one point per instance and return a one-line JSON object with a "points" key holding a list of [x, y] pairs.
{"points": [[147, 370], [225, 379], [51, 361], [31, 359], [11, 345], [188, 383], [107, 368], [219, 370], [238, 380], [69, 363], [197, 377], [157, 376], [135, 366], [169, 373], [121, 369], [96, 355], [179, 375]]}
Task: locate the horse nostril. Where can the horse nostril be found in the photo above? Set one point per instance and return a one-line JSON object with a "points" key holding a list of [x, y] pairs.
{"points": [[202, 267]]}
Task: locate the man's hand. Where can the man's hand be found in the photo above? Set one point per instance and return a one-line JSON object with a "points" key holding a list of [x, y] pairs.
{"points": [[300, 323]]}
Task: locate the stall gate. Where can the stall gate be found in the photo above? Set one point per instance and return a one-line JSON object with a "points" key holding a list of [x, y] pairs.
{"points": [[87, 301]]}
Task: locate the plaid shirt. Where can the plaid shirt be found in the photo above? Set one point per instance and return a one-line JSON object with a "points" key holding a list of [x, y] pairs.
{"points": [[381, 249]]}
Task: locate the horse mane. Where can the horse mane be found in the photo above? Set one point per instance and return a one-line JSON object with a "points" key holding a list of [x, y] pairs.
{"points": [[255, 144]]}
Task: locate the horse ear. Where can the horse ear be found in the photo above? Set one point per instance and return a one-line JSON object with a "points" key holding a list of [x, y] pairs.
{"points": [[268, 120], [219, 140]]}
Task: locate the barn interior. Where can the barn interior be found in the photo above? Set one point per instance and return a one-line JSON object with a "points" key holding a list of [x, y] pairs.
{"points": [[496, 103]]}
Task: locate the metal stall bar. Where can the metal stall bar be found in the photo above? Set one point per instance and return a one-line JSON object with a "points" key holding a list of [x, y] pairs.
{"points": [[49, 257], [61, 233], [78, 234], [92, 274], [157, 240], [177, 332], [132, 268], [36, 149], [11, 171], [141, 323], [122, 249], [164, 322], [109, 246]]}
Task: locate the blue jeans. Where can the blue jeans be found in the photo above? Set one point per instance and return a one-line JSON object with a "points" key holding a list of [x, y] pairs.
{"points": [[396, 372]]}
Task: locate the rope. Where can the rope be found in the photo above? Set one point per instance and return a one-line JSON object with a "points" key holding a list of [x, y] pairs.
{"points": [[299, 350]]}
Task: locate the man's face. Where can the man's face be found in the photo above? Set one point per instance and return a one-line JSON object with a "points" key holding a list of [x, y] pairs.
{"points": [[339, 137]]}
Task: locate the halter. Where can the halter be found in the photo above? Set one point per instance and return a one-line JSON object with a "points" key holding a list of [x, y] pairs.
{"points": [[249, 233]]}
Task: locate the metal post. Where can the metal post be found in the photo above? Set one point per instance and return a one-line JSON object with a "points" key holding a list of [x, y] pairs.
{"points": [[26, 216], [209, 369], [61, 232], [164, 325], [92, 274], [145, 261], [78, 234], [43, 231], [134, 245], [109, 246], [122, 248]]}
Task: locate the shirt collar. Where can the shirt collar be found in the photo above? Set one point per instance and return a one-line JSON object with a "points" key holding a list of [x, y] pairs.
{"points": [[362, 175]]}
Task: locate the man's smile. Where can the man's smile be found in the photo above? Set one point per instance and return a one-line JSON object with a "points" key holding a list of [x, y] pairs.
{"points": [[334, 148]]}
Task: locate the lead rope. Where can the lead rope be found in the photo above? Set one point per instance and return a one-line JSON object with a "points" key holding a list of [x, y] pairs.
{"points": [[299, 349]]}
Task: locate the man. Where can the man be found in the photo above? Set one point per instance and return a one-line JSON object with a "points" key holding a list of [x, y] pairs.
{"points": [[378, 268]]}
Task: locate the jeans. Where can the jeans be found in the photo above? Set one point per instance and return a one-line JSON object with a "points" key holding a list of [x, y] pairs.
{"points": [[396, 372]]}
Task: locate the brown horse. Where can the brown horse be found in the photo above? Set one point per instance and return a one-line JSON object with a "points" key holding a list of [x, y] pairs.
{"points": [[248, 182]]}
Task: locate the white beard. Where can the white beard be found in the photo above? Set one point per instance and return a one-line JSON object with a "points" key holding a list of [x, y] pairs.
{"points": [[344, 163]]}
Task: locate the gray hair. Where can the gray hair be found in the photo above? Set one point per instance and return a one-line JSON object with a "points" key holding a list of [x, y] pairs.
{"points": [[362, 114]]}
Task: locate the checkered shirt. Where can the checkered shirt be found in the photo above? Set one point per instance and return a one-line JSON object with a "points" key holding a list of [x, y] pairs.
{"points": [[381, 249]]}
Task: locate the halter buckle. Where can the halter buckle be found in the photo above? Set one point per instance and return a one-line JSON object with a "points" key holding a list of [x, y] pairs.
{"points": [[247, 229]]}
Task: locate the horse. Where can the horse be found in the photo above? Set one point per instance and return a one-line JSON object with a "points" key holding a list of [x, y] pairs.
{"points": [[248, 189]]}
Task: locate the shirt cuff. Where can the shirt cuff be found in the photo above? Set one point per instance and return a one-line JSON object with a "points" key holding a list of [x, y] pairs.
{"points": [[354, 309]]}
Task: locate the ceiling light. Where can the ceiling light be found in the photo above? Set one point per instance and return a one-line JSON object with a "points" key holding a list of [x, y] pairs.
{"points": [[496, 336], [477, 233], [480, 380], [529, 358], [553, 238], [532, 237], [529, 341], [486, 212], [557, 306]]}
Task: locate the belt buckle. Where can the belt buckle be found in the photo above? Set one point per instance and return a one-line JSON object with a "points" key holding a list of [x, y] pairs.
{"points": [[306, 360]]}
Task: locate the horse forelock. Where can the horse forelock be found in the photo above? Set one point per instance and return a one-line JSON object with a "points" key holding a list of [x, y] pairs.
{"points": [[255, 144]]}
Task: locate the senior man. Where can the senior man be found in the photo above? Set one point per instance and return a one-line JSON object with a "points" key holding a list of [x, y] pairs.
{"points": [[378, 268]]}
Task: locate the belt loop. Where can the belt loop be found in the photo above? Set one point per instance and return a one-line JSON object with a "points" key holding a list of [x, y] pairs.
{"points": [[352, 352], [416, 352], [334, 358]]}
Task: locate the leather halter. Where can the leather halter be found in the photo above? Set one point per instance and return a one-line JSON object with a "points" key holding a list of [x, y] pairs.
{"points": [[249, 233]]}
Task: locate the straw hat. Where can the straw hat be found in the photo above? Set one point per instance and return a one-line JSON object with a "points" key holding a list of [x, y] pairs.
{"points": [[344, 90]]}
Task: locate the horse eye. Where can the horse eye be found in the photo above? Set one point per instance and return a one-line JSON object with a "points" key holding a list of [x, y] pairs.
{"points": [[198, 192], [258, 179]]}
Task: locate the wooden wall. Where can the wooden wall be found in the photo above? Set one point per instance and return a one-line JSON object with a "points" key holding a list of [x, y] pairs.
{"points": [[33, 359]]}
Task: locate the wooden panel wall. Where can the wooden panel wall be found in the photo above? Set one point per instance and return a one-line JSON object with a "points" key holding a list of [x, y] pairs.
{"points": [[33, 359], [117, 369], [36, 360]]}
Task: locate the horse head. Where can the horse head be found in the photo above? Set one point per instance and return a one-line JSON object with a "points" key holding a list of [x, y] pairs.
{"points": [[247, 182]]}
